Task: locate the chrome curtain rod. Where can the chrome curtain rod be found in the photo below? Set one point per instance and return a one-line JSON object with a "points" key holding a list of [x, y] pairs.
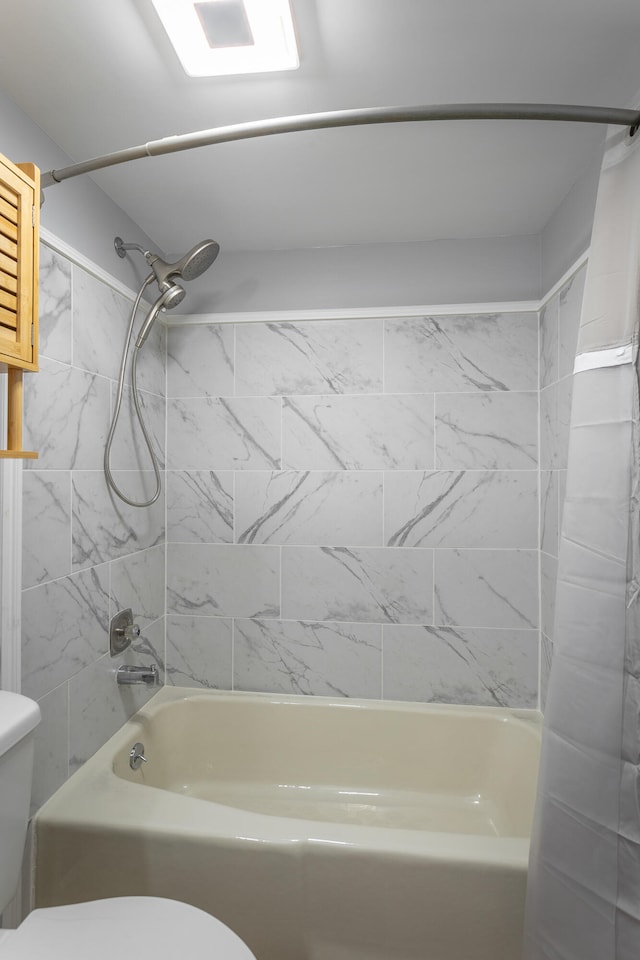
{"points": [[351, 118]]}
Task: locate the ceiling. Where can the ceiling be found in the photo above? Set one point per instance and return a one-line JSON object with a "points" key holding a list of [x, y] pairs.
{"points": [[101, 76]]}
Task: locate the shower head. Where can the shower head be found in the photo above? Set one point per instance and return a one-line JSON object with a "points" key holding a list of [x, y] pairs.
{"points": [[192, 265], [171, 296], [197, 260]]}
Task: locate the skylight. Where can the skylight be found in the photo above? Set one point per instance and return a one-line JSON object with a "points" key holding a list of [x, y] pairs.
{"points": [[224, 37]]}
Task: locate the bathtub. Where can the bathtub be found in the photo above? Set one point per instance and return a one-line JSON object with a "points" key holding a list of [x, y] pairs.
{"points": [[316, 828]]}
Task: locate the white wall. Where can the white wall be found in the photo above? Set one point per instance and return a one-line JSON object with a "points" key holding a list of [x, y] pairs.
{"points": [[567, 234], [77, 212], [440, 271], [374, 275]]}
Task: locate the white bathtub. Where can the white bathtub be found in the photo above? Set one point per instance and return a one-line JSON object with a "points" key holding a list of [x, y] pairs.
{"points": [[318, 829]]}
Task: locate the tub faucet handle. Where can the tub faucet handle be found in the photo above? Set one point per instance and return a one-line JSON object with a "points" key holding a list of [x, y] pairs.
{"points": [[122, 632]]}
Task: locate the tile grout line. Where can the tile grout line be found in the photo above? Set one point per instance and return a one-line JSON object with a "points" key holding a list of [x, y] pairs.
{"points": [[540, 521], [166, 503]]}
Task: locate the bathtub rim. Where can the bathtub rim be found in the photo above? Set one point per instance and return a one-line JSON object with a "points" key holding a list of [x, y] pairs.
{"points": [[528, 716]]}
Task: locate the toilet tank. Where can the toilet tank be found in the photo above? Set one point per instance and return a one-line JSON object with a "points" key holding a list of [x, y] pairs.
{"points": [[19, 717]]}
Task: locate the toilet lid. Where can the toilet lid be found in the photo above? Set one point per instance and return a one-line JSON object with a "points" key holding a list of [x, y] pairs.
{"points": [[140, 928]]}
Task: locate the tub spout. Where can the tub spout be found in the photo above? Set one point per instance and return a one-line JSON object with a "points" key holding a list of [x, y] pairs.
{"points": [[131, 674]]}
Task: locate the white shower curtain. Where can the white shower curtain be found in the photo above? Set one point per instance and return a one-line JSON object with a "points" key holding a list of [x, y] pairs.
{"points": [[583, 899]]}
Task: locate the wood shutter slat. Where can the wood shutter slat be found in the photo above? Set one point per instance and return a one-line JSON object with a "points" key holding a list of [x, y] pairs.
{"points": [[9, 195], [9, 229], [9, 247]]}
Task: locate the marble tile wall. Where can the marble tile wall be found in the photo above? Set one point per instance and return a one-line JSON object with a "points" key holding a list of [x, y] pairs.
{"points": [[559, 323], [85, 555], [352, 508]]}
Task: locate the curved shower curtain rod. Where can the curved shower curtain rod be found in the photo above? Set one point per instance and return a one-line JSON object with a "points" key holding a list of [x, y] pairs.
{"points": [[351, 118]]}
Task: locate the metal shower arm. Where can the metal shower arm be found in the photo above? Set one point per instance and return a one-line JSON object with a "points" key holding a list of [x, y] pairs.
{"points": [[121, 248], [350, 118]]}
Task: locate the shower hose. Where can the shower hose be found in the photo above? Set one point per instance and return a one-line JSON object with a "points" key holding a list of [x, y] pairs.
{"points": [[136, 401]]}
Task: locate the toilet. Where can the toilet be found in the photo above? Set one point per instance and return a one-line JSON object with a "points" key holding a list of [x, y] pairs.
{"points": [[147, 928]]}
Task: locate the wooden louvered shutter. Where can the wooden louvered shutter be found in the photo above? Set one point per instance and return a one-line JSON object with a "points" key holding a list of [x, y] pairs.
{"points": [[19, 209], [19, 238]]}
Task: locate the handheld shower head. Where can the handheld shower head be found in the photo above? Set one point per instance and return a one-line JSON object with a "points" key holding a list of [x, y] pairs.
{"points": [[171, 296]]}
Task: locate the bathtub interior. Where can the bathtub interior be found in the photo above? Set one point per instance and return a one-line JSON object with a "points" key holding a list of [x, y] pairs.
{"points": [[414, 767]]}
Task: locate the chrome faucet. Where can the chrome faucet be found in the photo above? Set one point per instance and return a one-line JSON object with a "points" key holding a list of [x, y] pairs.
{"points": [[122, 632], [132, 674]]}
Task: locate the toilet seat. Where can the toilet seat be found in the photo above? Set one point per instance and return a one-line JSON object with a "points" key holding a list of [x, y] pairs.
{"points": [[143, 928]]}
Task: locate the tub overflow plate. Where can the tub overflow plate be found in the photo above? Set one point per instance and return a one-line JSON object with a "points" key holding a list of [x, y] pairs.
{"points": [[136, 756]]}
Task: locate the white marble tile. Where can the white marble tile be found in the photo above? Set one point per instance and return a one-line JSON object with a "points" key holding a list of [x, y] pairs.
{"points": [[200, 506], [476, 508], [98, 706], [548, 584], [358, 433], [548, 427], [199, 652], [489, 668], [46, 526], [323, 659], [492, 431], [460, 353], [200, 360], [223, 580], [54, 306], [148, 648], [546, 661], [140, 486], [565, 396], [100, 323], [337, 508], [549, 342], [66, 418], [64, 628], [357, 585], [129, 449], [337, 356], [151, 360], [105, 528], [51, 754], [569, 320], [219, 434], [555, 415], [486, 588], [137, 581], [562, 493], [549, 520]]}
